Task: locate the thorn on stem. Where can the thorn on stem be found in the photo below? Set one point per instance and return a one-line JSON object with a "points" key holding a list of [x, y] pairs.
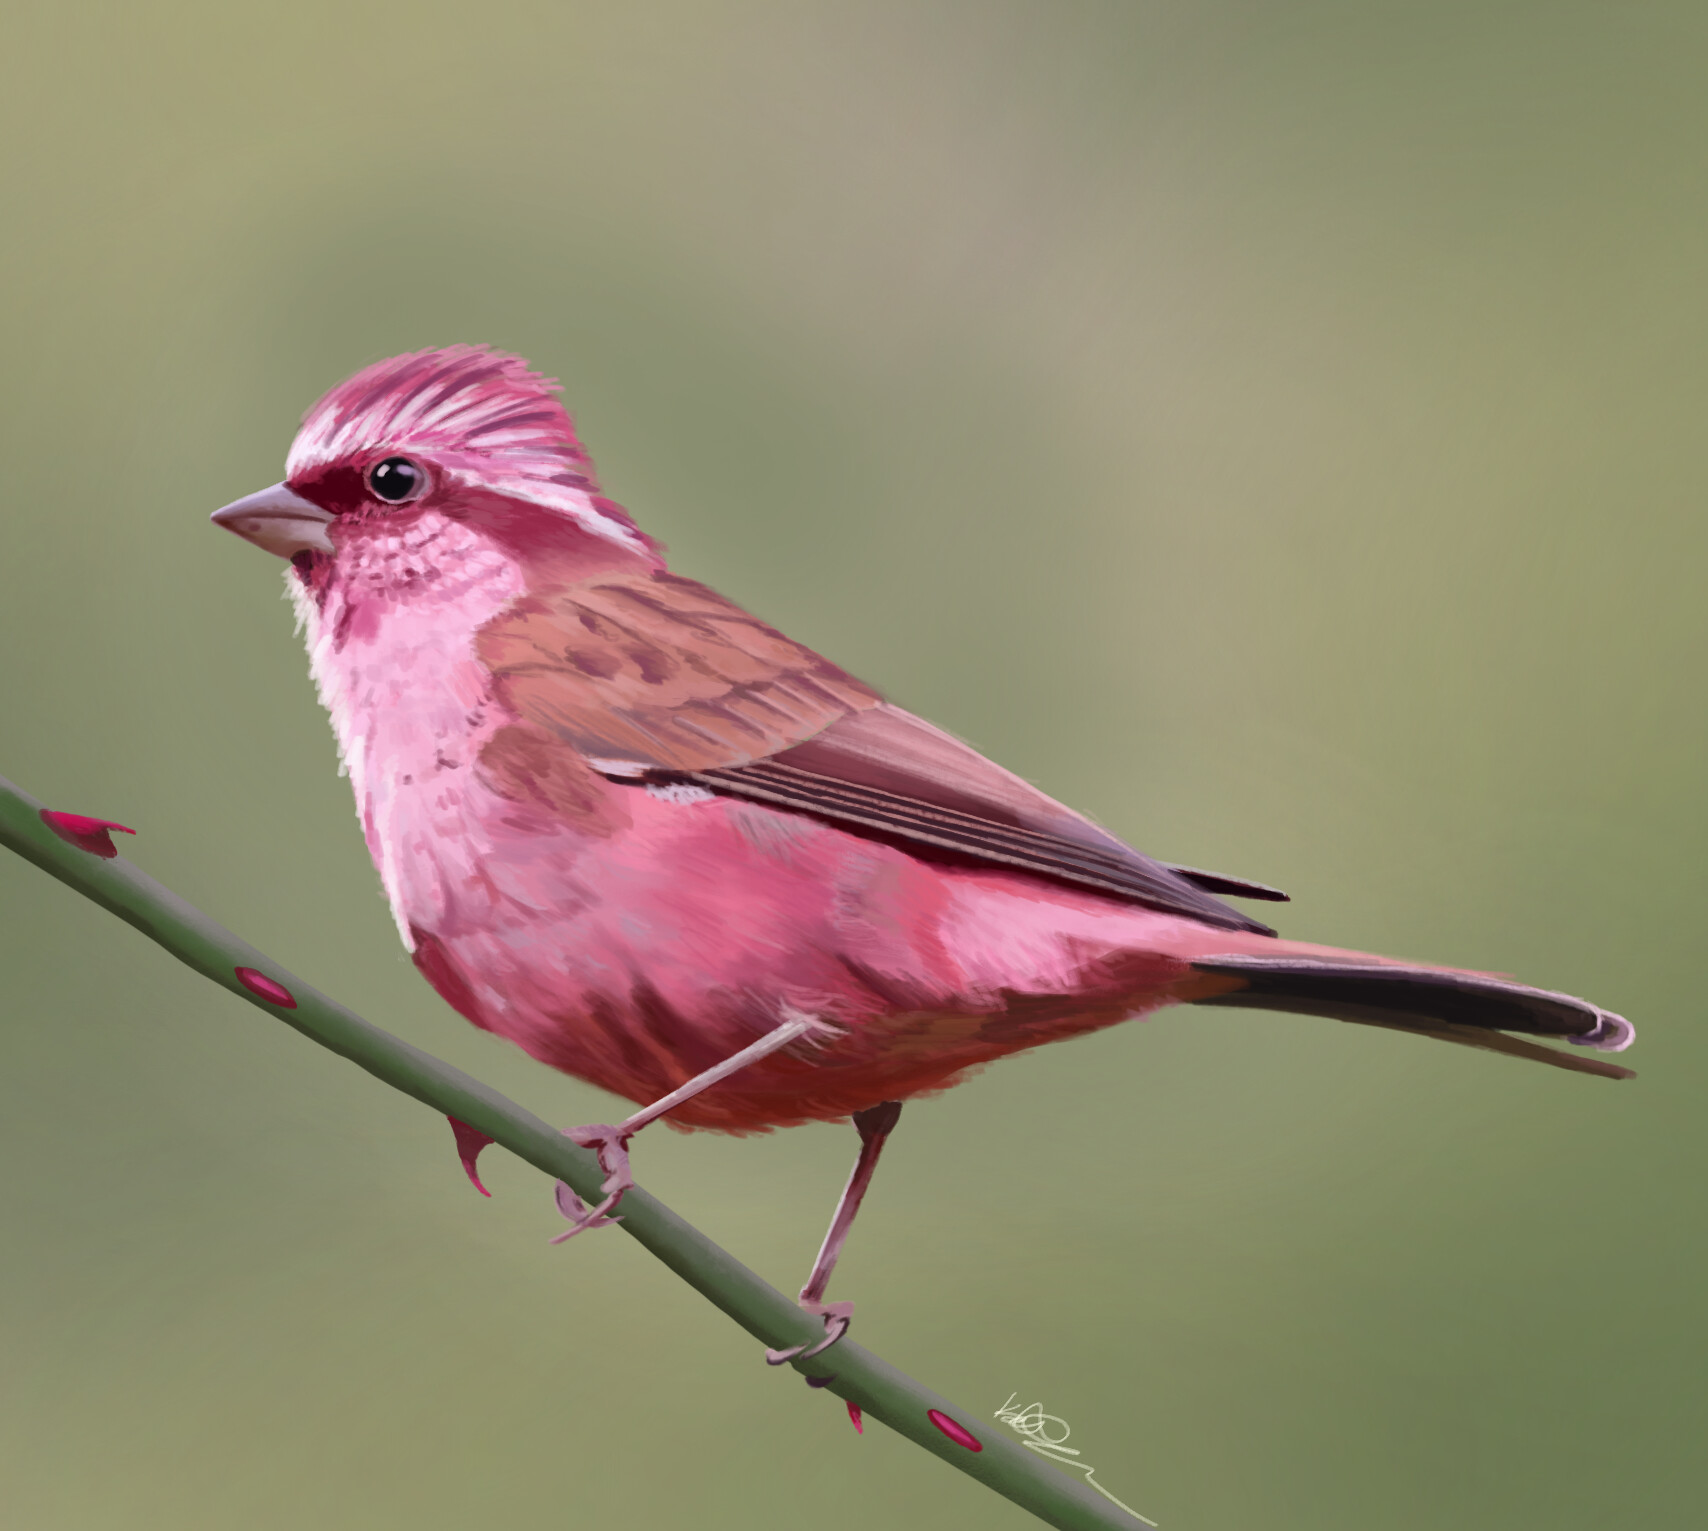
{"points": [[470, 1141], [956, 1432], [92, 835], [270, 989]]}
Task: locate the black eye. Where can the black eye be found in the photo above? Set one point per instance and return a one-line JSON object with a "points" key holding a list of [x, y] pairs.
{"points": [[396, 479]]}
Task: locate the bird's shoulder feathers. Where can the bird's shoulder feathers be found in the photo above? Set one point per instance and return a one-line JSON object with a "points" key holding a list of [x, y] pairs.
{"points": [[655, 672]]}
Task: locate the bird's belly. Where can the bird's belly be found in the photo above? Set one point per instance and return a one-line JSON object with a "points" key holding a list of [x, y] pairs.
{"points": [[639, 955]]}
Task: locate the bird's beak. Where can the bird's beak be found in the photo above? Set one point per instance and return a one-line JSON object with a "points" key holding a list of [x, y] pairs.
{"points": [[279, 521]]}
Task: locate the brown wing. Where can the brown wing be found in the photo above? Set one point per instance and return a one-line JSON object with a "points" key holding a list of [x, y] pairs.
{"points": [[650, 675], [888, 748], [885, 771], [649, 672]]}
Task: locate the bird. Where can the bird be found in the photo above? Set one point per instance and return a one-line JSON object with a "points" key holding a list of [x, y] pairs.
{"points": [[668, 850]]}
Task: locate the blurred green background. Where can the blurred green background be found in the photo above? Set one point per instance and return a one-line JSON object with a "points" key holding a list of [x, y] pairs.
{"points": [[1276, 430]]}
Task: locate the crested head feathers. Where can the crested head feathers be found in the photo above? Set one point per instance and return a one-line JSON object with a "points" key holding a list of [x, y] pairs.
{"points": [[481, 418]]}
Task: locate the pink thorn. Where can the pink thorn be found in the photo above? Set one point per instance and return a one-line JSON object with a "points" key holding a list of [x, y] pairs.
{"points": [[270, 989], [470, 1141], [854, 1414], [85, 833], [959, 1434]]}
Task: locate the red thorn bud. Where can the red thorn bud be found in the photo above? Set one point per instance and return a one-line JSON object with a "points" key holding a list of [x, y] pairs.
{"points": [[959, 1434], [855, 1415], [270, 989], [470, 1141], [86, 834]]}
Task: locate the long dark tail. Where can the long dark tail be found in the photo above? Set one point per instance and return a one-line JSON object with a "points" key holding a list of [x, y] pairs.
{"points": [[1468, 1008]]}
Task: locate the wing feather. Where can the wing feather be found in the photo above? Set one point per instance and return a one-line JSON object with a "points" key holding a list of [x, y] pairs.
{"points": [[650, 676], [1128, 875], [656, 672]]}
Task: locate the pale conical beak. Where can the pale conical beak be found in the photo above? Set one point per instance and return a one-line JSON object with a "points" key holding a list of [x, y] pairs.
{"points": [[279, 521]]}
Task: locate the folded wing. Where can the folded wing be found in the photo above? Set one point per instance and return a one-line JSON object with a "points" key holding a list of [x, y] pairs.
{"points": [[652, 677], [647, 672], [887, 772]]}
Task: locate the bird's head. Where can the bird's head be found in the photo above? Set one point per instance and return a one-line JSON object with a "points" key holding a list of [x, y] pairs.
{"points": [[465, 432]]}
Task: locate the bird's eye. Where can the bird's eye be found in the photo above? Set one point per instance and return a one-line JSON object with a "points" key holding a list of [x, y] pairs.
{"points": [[396, 479]]}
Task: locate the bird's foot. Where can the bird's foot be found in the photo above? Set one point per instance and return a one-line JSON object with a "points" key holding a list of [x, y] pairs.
{"points": [[612, 1146], [836, 1315]]}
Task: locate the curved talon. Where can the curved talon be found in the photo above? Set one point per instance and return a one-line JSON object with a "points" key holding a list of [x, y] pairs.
{"points": [[612, 1146], [837, 1317], [576, 1211]]}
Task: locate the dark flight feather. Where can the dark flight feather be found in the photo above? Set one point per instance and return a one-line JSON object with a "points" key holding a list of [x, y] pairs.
{"points": [[653, 677], [1472, 1009], [1130, 876]]}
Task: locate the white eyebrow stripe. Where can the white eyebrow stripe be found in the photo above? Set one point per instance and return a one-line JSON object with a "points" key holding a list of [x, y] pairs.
{"points": [[577, 504]]}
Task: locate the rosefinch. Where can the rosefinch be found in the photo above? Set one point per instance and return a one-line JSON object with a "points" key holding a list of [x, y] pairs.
{"points": [[670, 851]]}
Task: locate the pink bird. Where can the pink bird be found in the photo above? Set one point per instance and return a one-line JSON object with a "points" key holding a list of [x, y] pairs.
{"points": [[666, 849]]}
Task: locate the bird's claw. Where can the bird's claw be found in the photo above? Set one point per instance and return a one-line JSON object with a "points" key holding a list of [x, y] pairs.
{"points": [[837, 1317], [580, 1215], [612, 1147]]}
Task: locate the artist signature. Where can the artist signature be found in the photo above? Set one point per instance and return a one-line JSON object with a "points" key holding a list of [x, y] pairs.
{"points": [[1046, 1435]]}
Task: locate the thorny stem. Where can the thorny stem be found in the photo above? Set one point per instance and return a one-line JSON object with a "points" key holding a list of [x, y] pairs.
{"points": [[846, 1369]]}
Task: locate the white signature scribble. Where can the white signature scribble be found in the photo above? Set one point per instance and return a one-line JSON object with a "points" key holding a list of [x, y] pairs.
{"points": [[1047, 1435]]}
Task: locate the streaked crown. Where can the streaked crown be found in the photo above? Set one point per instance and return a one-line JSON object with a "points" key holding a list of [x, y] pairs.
{"points": [[480, 417]]}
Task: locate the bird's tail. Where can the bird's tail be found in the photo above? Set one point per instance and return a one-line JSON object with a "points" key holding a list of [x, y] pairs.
{"points": [[1473, 1009]]}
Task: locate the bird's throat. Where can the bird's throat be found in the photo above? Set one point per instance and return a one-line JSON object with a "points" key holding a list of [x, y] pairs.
{"points": [[390, 631]]}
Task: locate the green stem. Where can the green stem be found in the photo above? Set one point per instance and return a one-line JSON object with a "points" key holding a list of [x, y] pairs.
{"points": [[855, 1374]]}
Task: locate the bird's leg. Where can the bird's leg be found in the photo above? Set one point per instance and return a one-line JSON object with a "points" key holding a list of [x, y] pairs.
{"points": [[612, 1143], [874, 1126]]}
